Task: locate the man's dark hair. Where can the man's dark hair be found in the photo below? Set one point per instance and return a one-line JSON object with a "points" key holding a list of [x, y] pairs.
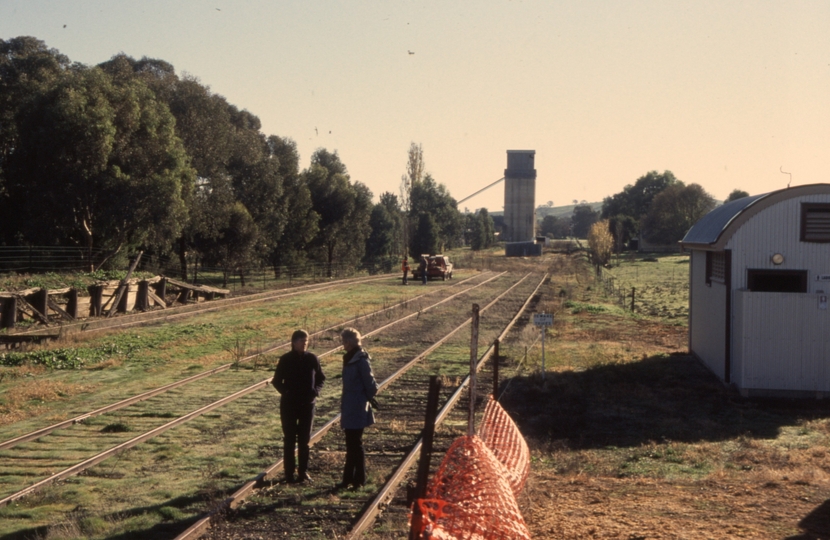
{"points": [[298, 334]]}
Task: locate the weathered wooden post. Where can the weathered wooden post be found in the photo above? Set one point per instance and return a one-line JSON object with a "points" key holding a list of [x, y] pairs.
{"points": [[8, 311], [72, 303], [96, 295], [121, 307], [123, 288], [427, 436], [496, 369], [633, 290], [40, 301], [142, 296], [471, 417], [161, 289]]}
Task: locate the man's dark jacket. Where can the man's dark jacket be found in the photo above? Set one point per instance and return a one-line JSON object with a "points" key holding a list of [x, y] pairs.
{"points": [[299, 378]]}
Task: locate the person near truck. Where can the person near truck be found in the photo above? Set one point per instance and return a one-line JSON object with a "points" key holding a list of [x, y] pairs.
{"points": [[422, 268], [405, 269], [299, 380], [359, 389]]}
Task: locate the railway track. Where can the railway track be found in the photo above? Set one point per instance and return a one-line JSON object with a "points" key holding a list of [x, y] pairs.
{"points": [[72, 447], [143, 415], [32, 435], [423, 330], [392, 446]]}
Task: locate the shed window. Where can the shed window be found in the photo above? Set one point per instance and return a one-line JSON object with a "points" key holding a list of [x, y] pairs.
{"points": [[715, 267], [815, 222], [777, 280]]}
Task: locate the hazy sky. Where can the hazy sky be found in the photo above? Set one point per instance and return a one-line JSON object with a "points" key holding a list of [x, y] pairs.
{"points": [[722, 93]]}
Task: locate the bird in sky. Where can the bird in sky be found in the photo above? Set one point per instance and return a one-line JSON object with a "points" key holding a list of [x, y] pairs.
{"points": [[411, 52]]}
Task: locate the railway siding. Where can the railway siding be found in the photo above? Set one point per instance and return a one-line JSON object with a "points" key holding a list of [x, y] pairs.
{"points": [[160, 451]]}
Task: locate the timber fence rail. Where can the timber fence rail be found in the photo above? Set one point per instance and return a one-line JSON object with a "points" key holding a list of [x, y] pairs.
{"points": [[147, 315]]}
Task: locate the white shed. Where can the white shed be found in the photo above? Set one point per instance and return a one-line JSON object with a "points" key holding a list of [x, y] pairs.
{"points": [[759, 282]]}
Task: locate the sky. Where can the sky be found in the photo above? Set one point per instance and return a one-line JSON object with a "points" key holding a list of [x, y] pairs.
{"points": [[726, 93]]}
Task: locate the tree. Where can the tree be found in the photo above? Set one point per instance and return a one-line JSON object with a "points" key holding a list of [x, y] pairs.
{"points": [[381, 241], [425, 240], [414, 174], [396, 214], [482, 231], [583, 217], [28, 68], [635, 200], [548, 226], [601, 242], [344, 210], [101, 165], [291, 245], [735, 195], [623, 228], [674, 211], [430, 197]]}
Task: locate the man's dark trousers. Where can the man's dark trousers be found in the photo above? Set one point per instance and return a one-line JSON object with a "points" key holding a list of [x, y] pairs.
{"points": [[297, 420]]}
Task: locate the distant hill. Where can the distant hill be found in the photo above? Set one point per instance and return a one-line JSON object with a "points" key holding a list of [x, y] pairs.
{"points": [[556, 211]]}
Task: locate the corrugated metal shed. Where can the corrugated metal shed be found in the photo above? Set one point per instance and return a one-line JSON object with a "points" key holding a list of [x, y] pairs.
{"points": [[714, 229], [710, 226]]}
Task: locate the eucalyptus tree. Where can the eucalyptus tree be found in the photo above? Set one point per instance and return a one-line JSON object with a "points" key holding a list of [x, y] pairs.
{"points": [[344, 209], [290, 247], [430, 197], [98, 162], [28, 68], [674, 211]]}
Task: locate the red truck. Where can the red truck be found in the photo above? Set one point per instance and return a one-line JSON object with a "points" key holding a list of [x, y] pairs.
{"points": [[438, 266]]}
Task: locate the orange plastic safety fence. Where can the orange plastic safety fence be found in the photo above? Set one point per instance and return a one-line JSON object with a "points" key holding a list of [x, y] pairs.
{"points": [[471, 497], [500, 434]]}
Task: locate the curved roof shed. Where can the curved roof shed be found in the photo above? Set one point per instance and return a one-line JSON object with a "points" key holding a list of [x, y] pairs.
{"points": [[714, 230], [759, 281]]}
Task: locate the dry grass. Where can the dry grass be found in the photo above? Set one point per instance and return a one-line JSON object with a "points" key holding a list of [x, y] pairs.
{"points": [[31, 396], [631, 438]]}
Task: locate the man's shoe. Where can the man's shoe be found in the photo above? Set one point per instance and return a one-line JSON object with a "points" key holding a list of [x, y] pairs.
{"points": [[341, 486], [289, 479], [303, 477]]}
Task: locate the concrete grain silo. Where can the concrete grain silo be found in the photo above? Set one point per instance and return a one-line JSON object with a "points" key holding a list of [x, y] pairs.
{"points": [[520, 203]]}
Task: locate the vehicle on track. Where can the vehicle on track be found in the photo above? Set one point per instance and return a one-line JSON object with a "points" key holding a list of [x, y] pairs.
{"points": [[438, 267]]}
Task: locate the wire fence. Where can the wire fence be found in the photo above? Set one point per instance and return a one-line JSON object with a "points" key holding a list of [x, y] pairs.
{"points": [[44, 259]]}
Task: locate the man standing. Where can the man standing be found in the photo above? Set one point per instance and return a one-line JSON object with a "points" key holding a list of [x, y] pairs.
{"points": [[299, 380], [422, 268], [405, 269]]}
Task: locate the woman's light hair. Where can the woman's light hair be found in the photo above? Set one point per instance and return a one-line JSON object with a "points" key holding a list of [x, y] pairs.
{"points": [[352, 335]]}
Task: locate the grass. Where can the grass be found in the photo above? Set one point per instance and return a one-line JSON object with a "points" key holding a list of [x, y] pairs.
{"points": [[632, 437], [661, 282], [130, 362]]}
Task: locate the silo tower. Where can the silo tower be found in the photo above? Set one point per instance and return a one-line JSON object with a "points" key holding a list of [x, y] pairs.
{"points": [[520, 196]]}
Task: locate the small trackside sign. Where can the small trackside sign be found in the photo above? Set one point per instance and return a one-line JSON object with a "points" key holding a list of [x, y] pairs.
{"points": [[543, 319]]}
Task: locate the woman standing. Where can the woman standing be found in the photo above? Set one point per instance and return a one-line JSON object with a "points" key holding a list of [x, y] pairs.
{"points": [[359, 386]]}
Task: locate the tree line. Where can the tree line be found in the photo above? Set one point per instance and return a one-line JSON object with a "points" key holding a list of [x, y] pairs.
{"points": [[129, 155], [657, 207]]}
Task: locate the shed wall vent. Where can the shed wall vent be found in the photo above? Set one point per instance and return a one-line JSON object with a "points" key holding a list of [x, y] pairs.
{"points": [[815, 222]]}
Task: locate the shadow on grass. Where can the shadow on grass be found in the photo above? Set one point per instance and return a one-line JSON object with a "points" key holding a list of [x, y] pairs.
{"points": [[658, 398], [166, 529]]}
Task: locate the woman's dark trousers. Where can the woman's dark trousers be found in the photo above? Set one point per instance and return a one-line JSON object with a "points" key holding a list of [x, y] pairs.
{"points": [[355, 471], [297, 420]]}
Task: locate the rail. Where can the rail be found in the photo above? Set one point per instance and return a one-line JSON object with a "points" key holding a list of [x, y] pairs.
{"points": [[75, 469], [202, 525]]}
